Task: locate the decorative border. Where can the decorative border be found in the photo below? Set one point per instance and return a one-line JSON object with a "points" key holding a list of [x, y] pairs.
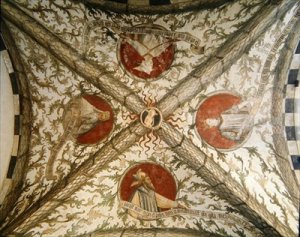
{"points": [[153, 6], [292, 130], [16, 101], [281, 72], [152, 232], [22, 107]]}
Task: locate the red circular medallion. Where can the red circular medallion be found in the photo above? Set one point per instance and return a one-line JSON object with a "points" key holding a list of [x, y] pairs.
{"points": [[162, 180], [145, 55], [103, 128], [222, 121]]}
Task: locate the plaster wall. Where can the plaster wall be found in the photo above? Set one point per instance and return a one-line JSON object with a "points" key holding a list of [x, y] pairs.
{"points": [[6, 123]]}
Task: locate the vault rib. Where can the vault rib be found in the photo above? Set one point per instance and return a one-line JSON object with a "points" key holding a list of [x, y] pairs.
{"points": [[277, 119], [92, 74], [228, 53], [76, 179], [232, 49], [225, 186], [95, 74]]}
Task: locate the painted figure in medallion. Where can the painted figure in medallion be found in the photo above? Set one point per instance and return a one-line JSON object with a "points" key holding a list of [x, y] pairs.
{"points": [[146, 56], [86, 114], [151, 118], [150, 187], [87, 120], [145, 195], [223, 121]]}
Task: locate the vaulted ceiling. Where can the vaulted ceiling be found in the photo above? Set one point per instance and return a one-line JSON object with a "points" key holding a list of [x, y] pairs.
{"points": [[188, 94]]}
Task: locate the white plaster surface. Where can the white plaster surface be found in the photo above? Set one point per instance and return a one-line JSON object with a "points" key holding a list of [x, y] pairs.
{"points": [[6, 121], [295, 62]]}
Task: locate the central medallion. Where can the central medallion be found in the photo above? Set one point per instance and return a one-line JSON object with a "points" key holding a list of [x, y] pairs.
{"points": [[151, 118]]}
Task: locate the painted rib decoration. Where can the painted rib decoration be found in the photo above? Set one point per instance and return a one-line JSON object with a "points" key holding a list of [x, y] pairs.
{"points": [[65, 192]]}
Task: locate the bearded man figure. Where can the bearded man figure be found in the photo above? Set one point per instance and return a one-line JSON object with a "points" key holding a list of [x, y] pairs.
{"points": [[83, 116], [145, 196], [79, 119]]}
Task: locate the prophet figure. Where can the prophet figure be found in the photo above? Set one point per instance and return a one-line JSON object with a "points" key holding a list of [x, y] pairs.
{"points": [[234, 123], [145, 196], [83, 116], [80, 119]]}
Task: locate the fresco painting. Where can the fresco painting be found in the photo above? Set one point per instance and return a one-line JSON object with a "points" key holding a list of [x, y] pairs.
{"points": [[223, 121], [87, 119], [149, 186], [151, 122], [151, 118], [94, 121], [146, 56]]}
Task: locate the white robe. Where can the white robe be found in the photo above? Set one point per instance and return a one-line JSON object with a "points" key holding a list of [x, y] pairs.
{"points": [[89, 116], [151, 201], [236, 122], [81, 117]]}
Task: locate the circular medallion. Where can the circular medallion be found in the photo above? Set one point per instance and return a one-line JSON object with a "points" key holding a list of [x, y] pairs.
{"points": [[144, 55], [152, 176], [223, 121], [89, 119], [151, 118]]}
